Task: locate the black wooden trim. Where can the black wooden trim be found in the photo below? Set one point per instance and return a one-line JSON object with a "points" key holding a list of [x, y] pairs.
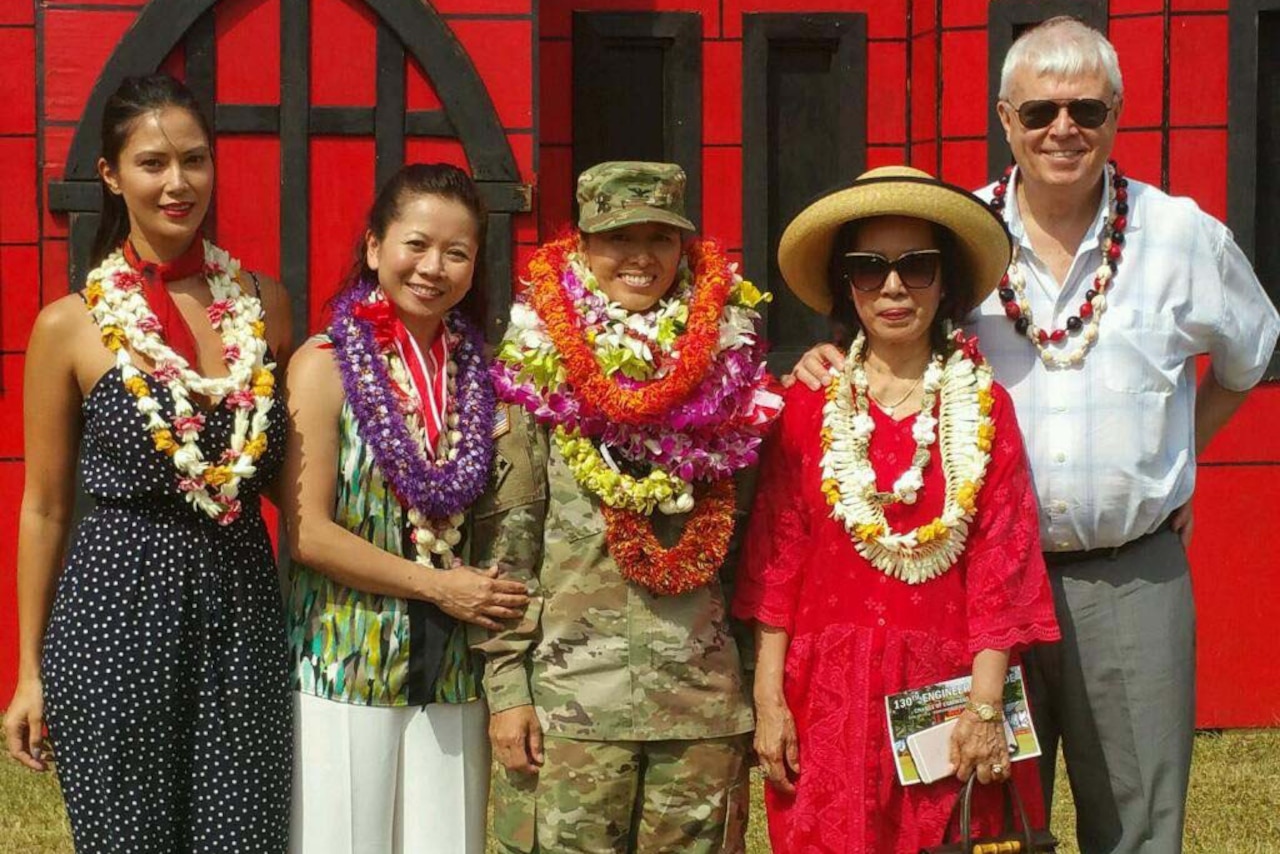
{"points": [[487, 16], [468, 114], [200, 57], [447, 65], [1242, 119], [388, 111], [200, 48], [295, 171], [83, 225], [246, 118], [341, 121], [86, 197], [428, 123], [1166, 46], [94, 7], [1242, 135], [535, 49], [1003, 18], [162, 23], [67, 196], [498, 253], [153, 35], [846, 33], [505, 196], [680, 36], [938, 100]]}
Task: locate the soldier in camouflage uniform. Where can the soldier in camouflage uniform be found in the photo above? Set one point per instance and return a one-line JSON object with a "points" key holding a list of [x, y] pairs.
{"points": [[620, 718]]}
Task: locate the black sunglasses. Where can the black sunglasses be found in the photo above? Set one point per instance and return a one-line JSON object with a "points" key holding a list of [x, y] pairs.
{"points": [[868, 271], [1086, 112]]}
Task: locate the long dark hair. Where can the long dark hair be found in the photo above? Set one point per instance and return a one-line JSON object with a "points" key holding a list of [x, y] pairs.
{"points": [[136, 97], [413, 181], [957, 279]]}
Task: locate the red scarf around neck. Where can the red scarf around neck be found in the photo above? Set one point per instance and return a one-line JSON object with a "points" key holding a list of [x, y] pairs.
{"points": [[176, 331], [427, 370]]}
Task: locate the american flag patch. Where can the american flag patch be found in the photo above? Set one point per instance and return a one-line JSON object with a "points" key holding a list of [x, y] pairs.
{"points": [[501, 423]]}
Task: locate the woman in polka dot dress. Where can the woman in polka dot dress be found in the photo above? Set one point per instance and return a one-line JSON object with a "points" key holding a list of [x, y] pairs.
{"points": [[157, 647]]}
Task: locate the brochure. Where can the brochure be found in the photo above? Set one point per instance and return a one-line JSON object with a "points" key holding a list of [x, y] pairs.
{"points": [[921, 720]]}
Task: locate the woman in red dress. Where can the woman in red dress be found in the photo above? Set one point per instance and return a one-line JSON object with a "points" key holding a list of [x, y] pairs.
{"points": [[894, 538]]}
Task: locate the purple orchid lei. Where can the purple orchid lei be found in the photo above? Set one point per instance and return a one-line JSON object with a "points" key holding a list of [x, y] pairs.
{"points": [[714, 433], [438, 489]]}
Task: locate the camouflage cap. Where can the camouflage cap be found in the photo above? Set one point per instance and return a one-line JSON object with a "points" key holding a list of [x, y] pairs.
{"points": [[623, 192]]}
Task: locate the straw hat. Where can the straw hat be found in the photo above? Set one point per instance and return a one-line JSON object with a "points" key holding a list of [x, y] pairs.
{"points": [[804, 253]]}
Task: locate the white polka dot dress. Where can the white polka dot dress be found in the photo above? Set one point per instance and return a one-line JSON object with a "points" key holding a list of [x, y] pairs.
{"points": [[165, 662]]}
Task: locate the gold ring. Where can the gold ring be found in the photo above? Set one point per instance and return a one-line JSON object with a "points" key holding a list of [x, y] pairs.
{"points": [[997, 770]]}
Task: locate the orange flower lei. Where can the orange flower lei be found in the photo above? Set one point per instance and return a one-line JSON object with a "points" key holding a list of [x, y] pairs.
{"points": [[697, 346], [691, 563]]}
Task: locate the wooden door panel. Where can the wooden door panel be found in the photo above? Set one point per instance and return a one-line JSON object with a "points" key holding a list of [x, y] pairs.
{"points": [[637, 92], [804, 132]]}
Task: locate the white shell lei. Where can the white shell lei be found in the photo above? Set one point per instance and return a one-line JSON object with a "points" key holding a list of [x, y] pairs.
{"points": [[924, 430], [965, 434], [433, 539], [123, 315]]}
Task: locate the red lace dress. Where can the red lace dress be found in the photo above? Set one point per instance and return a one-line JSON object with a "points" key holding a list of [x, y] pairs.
{"points": [[857, 634]]}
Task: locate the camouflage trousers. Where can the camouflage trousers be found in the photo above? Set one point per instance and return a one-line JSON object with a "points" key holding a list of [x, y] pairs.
{"points": [[614, 797]]}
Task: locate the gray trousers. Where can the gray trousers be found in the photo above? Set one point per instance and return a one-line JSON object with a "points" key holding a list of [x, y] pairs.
{"points": [[1118, 693]]}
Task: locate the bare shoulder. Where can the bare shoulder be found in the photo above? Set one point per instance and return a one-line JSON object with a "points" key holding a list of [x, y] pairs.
{"points": [[64, 326], [314, 369], [313, 388], [64, 315]]}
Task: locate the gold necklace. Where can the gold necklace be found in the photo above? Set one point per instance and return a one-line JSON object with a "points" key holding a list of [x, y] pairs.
{"points": [[892, 407]]}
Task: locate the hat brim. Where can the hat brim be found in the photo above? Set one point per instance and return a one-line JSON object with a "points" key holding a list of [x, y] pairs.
{"points": [[804, 253], [621, 217]]}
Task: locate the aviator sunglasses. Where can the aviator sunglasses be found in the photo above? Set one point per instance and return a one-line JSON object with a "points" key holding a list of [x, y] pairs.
{"points": [[868, 271], [1086, 112]]}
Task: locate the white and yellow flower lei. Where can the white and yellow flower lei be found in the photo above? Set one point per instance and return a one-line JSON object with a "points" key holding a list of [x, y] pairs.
{"points": [[125, 318], [433, 539], [965, 432]]}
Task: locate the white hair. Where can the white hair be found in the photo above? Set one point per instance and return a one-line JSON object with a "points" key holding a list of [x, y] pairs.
{"points": [[1062, 47]]}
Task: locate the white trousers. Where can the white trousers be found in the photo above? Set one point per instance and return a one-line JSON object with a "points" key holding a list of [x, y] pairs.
{"points": [[378, 780]]}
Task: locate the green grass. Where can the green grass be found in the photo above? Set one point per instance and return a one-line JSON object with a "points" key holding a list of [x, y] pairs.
{"points": [[1233, 806]]}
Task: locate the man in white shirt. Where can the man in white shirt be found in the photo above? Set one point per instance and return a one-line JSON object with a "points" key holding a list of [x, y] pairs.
{"points": [[1114, 287]]}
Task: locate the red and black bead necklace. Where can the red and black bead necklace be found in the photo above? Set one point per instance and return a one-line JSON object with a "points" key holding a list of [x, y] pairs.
{"points": [[1085, 321]]}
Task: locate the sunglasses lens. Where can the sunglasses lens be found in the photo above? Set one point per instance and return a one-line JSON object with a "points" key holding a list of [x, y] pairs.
{"points": [[1037, 114], [865, 272], [917, 271], [1088, 112]]}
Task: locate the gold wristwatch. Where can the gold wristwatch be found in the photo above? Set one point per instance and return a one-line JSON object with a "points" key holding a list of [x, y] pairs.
{"points": [[986, 712]]}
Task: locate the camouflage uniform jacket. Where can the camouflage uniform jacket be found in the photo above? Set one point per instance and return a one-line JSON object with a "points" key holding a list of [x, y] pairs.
{"points": [[599, 657]]}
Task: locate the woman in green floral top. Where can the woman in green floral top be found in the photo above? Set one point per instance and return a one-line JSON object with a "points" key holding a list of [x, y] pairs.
{"points": [[388, 472]]}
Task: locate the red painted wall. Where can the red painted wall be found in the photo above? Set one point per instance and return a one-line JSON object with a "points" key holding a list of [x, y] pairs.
{"points": [[922, 55]]}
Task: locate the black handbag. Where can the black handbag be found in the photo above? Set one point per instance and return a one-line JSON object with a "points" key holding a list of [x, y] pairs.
{"points": [[1011, 840]]}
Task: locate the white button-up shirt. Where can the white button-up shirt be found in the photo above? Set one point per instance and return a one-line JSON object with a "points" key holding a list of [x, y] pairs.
{"points": [[1112, 442]]}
